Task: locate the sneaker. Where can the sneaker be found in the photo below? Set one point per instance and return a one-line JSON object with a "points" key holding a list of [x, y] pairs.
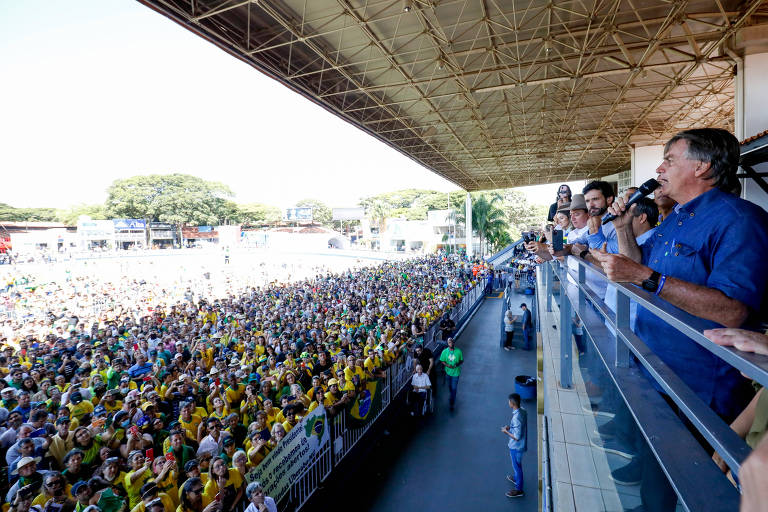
{"points": [[612, 446], [515, 494], [507, 349], [413, 413], [630, 474]]}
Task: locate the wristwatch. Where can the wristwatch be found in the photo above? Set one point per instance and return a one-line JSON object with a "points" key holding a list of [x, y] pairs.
{"points": [[652, 283], [583, 254]]}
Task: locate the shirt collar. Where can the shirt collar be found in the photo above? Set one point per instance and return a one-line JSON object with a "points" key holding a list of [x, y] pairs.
{"points": [[702, 199], [645, 236]]}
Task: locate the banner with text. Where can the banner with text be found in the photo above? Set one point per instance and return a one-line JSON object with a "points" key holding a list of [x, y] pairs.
{"points": [[285, 463]]}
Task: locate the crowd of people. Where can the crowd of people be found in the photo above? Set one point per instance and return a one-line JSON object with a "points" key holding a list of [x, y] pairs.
{"points": [[698, 246], [111, 403]]}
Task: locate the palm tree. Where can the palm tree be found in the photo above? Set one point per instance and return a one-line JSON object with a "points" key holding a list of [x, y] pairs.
{"points": [[488, 220]]}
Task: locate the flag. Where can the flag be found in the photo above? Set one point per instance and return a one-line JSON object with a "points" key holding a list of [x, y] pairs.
{"points": [[366, 405]]}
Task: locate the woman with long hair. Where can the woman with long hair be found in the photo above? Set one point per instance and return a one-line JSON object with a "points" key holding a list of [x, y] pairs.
{"points": [[563, 196]]}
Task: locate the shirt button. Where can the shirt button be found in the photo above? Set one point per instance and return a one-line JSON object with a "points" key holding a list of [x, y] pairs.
{"points": [[677, 254], [656, 260], [680, 223], [691, 214], [665, 243]]}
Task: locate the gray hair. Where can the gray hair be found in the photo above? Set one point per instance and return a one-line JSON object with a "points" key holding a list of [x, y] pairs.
{"points": [[252, 488]]}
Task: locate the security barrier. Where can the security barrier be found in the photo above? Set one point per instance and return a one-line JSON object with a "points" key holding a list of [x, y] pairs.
{"points": [[397, 377]]}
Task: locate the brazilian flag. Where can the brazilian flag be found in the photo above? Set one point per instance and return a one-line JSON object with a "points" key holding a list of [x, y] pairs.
{"points": [[366, 405], [315, 426]]}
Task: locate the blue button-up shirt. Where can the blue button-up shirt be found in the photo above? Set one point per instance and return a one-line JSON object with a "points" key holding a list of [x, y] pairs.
{"points": [[719, 241], [518, 427], [606, 233]]}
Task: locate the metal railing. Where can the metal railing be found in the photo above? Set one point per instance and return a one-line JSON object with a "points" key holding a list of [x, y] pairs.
{"points": [[674, 446], [397, 376]]}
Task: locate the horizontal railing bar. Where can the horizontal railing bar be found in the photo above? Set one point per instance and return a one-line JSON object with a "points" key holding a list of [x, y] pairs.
{"points": [[753, 365], [723, 439], [664, 431]]}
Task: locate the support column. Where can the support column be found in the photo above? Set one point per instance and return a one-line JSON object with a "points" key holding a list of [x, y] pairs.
{"points": [[468, 225], [645, 160], [750, 52]]}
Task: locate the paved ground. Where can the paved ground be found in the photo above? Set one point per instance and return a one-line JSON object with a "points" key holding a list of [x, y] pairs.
{"points": [[454, 460]]}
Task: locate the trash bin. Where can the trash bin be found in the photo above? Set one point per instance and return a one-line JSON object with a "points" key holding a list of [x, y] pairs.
{"points": [[525, 386]]}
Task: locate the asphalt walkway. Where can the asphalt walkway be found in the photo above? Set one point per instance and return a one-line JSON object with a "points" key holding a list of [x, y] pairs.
{"points": [[458, 460]]}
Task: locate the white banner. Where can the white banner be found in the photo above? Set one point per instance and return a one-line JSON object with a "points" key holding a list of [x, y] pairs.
{"points": [[280, 468]]}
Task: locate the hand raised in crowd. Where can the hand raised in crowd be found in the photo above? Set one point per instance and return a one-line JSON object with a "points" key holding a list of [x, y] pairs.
{"points": [[619, 268], [594, 224], [740, 339], [540, 249]]}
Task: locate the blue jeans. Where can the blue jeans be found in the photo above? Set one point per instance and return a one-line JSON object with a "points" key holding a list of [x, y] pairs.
{"points": [[527, 338], [453, 384], [517, 467]]}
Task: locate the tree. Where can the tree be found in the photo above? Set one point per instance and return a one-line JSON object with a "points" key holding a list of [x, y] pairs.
{"points": [[257, 213], [378, 211], [70, 215], [176, 199], [413, 204], [11, 214], [173, 198], [320, 212], [521, 214], [488, 219]]}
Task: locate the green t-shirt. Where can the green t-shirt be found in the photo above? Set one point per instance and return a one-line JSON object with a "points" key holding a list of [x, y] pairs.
{"points": [[453, 357]]}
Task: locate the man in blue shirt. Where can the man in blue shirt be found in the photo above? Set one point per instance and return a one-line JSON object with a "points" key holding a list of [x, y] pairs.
{"points": [[706, 258], [517, 431], [141, 368]]}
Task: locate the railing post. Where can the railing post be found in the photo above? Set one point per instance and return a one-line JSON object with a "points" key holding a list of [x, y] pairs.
{"points": [[548, 277], [582, 283], [622, 322], [566, 348]]}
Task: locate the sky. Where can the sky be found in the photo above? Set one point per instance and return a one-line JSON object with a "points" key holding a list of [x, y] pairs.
{"points": [[99, 90]]}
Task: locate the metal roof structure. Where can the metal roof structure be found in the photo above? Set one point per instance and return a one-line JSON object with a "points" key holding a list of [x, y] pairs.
{"points": [[494, 93]]}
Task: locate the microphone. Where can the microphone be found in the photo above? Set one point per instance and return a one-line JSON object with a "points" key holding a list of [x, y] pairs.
{"points": [[642, 191]]}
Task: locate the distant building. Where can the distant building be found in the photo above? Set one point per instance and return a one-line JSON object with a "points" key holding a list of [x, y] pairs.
{"points": [[437, 232]]}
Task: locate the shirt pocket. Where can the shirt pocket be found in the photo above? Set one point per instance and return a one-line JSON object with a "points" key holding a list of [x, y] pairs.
{"points": [[686, 262]]}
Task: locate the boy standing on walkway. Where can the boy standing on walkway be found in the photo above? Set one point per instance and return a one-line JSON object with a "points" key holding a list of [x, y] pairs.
{"points": [[517, 430]]}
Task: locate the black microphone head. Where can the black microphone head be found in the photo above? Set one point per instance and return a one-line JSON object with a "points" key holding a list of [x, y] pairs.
{"points": [[648, 187]]}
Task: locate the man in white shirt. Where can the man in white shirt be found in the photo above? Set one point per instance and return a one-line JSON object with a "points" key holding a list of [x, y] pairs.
{"points": [[420, 384]]}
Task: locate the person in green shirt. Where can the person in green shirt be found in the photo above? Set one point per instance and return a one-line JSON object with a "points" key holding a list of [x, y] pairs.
{"points": [[452, 359]]}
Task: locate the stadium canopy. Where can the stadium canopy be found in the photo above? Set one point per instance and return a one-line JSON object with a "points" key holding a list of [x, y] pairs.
{"points": [[494, 93]]}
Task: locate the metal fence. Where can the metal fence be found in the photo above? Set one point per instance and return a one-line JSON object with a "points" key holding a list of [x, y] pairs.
{"points": [[685, 463], [397, 377]]}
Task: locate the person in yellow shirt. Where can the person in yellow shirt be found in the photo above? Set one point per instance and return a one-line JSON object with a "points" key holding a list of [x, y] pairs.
{"points": [[110, 401], [169, 483], [149, 493], [192, 497], [234, 391], [135, 479], [189, 422], [290, 418], [224, 481]]}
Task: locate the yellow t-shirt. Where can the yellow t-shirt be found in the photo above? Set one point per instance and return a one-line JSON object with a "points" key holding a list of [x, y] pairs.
{"points": [[167, 501], [190, 427], [80, 410], [211, 488], [134, 489]]}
